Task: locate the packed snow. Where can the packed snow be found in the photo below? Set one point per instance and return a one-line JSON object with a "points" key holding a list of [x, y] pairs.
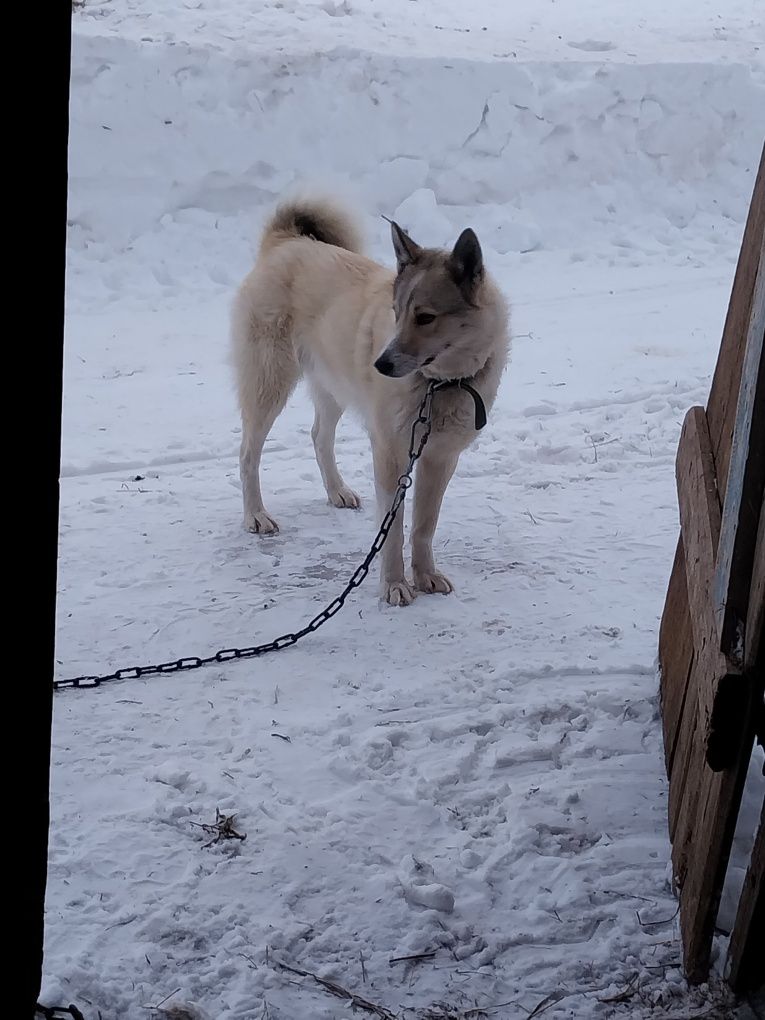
{"points": [[460, 805]]}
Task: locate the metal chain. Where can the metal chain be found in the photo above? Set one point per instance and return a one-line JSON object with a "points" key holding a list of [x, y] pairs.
{"points": [[424, 416]]}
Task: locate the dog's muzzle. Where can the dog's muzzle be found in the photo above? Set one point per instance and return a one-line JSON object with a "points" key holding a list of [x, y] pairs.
{"points": [[385, 364], [394, 364]]}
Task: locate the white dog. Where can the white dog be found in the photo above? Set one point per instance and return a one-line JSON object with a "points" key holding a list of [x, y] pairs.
{"points": [[366, 337]]}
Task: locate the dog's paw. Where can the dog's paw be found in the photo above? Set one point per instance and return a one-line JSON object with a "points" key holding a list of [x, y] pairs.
{"points": [[398, 593], [432, 582], [342, 496], [260, 523]]}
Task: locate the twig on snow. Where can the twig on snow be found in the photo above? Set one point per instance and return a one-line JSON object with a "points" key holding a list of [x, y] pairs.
{"points": [[440, 1011], [549, 1000], [223, 828], [595, 445], [626, 994], [162, 1001], [414, 958], [342, 993], [487, 1009], [662, 920], [628, 896]]}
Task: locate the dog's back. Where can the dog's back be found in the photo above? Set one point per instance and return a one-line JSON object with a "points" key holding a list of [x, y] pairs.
{"points": [[299, 310]]}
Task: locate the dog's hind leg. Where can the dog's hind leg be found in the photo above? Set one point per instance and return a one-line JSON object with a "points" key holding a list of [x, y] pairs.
{"points": [[267, 372], [328, 414], [255, 431]]}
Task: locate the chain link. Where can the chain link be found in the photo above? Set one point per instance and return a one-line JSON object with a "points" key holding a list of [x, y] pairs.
{"points": [[423, 424]]}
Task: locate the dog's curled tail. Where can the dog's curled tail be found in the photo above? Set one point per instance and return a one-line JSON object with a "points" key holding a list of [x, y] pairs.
{"points": [[317, 218]]}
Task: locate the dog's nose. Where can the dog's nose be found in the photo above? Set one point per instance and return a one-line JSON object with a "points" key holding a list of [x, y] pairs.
{"points": [[384, 364]]}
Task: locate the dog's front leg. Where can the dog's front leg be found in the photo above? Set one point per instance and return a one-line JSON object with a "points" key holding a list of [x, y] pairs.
{"points": [[434, 471], [389, 465]]}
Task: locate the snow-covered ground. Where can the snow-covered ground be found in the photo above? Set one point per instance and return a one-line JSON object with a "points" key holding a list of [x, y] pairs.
{"points": [[477, 778]]}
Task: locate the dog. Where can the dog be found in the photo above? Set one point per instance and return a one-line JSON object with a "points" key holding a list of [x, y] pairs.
{"points": [[315, 307]]}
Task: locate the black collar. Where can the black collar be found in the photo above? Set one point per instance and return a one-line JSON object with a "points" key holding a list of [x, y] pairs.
{"points": [[463, 384]]}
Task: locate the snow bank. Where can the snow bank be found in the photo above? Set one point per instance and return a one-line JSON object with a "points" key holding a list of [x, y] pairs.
{"points": [[555, 155]]}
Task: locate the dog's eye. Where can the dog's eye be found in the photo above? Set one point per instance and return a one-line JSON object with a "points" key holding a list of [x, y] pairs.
{"points": [[424, 318]]}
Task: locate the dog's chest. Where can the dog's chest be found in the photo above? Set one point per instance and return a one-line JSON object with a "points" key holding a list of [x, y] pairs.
{"points": [[453, 411], [453, 414]]}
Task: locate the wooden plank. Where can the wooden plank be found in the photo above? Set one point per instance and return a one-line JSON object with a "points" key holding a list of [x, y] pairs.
{"points": [[703, 851], [721, 695], [723, 395], [675, 655], [706, 803], [745, 952], [743, 494], [683, 785], [721, 409], [755, 618], [700, 517], [676, 640]]}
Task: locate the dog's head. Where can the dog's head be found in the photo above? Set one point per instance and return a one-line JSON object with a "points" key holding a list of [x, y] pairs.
{"points": [[441, 327]]}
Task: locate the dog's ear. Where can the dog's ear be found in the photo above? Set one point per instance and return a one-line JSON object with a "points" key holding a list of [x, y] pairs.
{"points": [[407, 252], [466, 263]]}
